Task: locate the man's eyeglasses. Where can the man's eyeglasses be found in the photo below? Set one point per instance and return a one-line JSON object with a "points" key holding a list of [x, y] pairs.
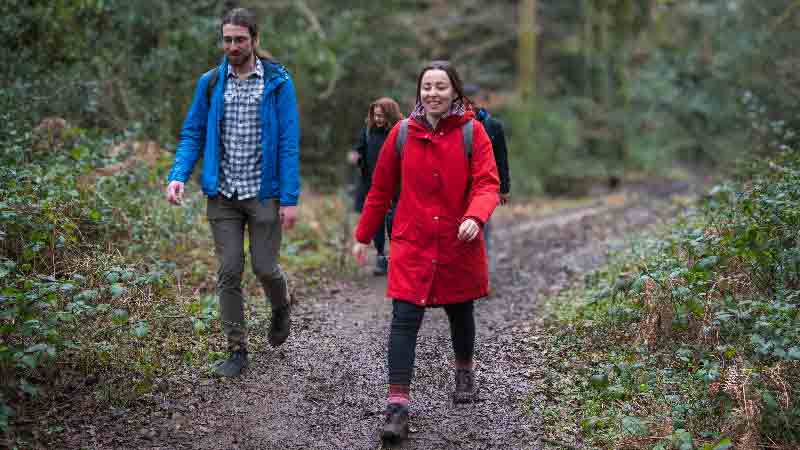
{"points": [[228, 40]]}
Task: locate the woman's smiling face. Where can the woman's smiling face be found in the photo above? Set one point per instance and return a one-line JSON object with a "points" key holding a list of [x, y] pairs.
{"points": [[436, 92]]}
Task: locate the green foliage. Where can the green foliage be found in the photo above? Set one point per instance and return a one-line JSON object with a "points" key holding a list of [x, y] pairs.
{"points": [[688, 326], [631, 86], [124, 65], [91, 269]]}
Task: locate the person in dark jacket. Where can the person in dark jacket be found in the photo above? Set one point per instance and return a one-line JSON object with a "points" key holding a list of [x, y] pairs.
{"points": [[494, 128], [383, 114]]}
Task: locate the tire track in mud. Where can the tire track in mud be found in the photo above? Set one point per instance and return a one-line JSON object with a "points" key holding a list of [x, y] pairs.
{"points": [[325, 388]]}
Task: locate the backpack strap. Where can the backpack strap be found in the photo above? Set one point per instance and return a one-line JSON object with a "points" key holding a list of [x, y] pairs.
{"points": [[467, 131], [211, 83], [402, 134]]}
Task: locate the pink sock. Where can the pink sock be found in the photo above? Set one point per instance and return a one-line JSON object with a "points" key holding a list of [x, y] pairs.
{"points": [[398, 393], [465, 364]]}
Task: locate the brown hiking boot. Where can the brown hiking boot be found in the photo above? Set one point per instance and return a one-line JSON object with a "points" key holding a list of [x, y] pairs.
{"points": [[396, 427], [465, 386]]}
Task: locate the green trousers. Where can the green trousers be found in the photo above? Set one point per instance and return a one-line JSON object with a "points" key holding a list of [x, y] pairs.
{"points": [[228, 219]]}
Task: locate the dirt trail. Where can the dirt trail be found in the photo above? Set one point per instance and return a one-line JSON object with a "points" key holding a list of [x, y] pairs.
{"points": [[324, 389]]}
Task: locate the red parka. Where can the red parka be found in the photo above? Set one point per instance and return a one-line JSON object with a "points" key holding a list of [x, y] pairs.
{"points": [[439, 188]]}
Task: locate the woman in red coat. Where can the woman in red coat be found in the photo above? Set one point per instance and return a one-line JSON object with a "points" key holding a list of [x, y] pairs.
{"points": [[447, 193]]}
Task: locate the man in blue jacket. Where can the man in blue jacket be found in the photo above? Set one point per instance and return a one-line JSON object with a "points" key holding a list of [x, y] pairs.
{"points": [[244, 123]]}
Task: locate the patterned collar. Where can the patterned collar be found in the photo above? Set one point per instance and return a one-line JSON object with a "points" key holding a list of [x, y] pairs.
{"points": [[458, 108], [259, 70]]}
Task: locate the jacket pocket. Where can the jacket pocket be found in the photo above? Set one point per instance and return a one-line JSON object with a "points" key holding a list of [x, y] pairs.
{"points": [[451, 248], [402, 230]]}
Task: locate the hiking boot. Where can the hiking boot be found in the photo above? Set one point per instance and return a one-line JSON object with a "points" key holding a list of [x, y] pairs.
{"points": [[280, 325], [465, 386], [381, 266], [232, 366], [396, 427]]}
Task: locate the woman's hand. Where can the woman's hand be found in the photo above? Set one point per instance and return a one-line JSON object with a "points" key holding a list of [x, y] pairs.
{"points": [[360, 253], [468, 230]]}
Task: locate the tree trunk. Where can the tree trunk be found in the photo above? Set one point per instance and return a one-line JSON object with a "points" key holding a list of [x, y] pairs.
{"points": [[527, 49]]}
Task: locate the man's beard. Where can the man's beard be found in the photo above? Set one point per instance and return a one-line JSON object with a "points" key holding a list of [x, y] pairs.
{"points": [[240, 59]]}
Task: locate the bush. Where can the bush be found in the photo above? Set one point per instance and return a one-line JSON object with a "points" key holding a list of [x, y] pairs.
{"points": [[700, 328]]}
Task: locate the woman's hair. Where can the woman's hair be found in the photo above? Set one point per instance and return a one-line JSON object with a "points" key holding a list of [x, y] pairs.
{"points": [[243, 17], [390, 109], [452, 74]]}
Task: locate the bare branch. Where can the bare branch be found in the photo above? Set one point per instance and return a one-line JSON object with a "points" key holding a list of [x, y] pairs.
{"points": [[302, 6]]}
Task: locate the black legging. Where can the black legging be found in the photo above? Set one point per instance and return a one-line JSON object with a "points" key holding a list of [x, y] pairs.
{"points": [[384, 232], [380, 239], [406, 320]]}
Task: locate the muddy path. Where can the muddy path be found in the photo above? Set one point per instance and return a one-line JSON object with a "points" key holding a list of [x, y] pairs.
{"points": [[325, 388]]}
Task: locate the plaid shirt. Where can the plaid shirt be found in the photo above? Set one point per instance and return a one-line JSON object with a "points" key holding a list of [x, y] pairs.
{"points": [[240, 173]]}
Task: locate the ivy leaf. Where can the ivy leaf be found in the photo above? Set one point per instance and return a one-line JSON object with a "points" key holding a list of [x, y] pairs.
{"points": [[639, 284], [724, 444], [38, 348], [590, 424], [634, 426], [141, 329], [119, 316], [28, 388], [707, 263], [199, 326], [30, 360], [86, 296], [112, 277], [599, 380], [118, 290], [769, 401], [682, 439]]}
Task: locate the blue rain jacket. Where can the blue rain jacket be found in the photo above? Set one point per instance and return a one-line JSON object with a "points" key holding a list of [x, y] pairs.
{"points": [[280, 174]]}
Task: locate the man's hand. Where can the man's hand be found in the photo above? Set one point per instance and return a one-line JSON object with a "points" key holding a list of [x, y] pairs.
{"points": [[360, 253], [353, 157], [288, 215], [504, 198], [175, 192], [468, 230]]}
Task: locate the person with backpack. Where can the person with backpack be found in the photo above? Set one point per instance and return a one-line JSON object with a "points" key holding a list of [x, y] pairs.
{"points": [[440, 160], [243, 122], [382, 115], [494, 128]]}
